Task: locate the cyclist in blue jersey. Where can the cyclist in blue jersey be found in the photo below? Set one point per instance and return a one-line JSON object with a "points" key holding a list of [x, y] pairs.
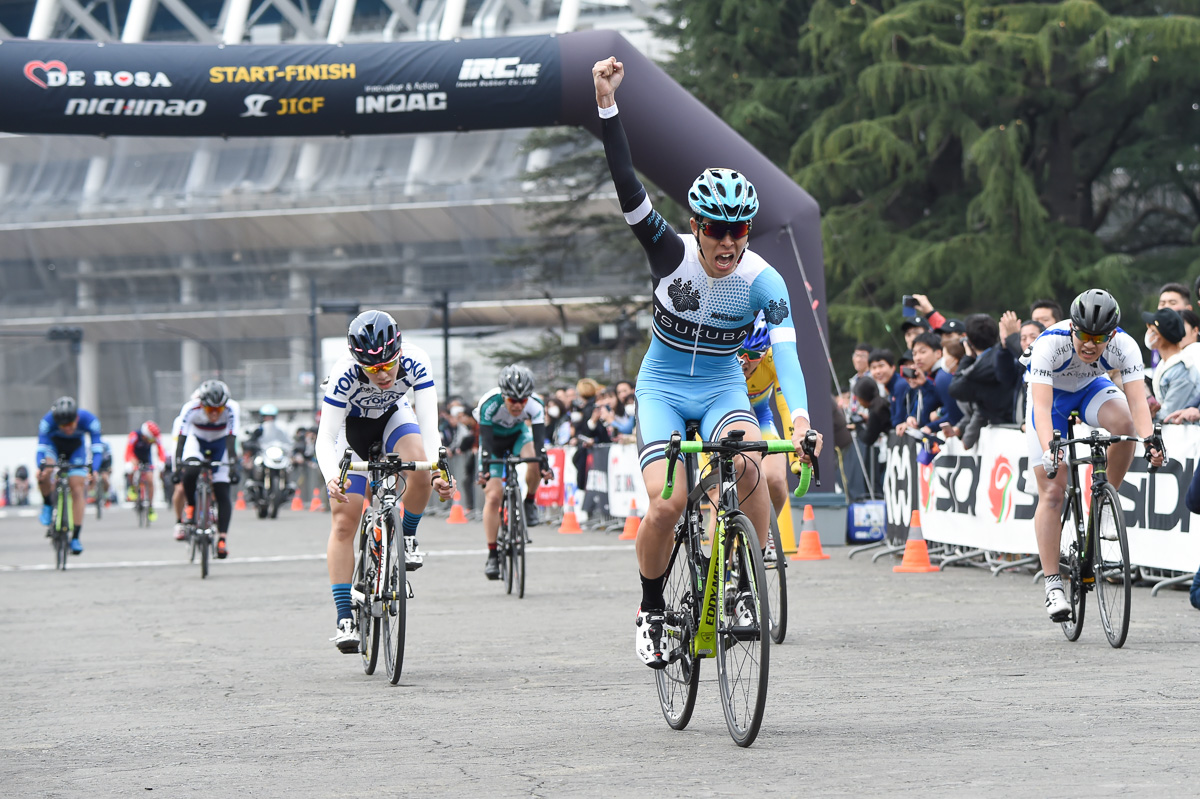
{"points": [[61, 431], [708, 287]]}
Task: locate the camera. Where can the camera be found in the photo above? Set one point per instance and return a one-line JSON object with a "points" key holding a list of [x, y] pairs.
{"points": [[909, 372]]}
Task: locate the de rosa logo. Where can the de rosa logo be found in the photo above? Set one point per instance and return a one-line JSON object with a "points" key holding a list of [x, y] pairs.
{"points": [[1000, 489], [54, 73]]}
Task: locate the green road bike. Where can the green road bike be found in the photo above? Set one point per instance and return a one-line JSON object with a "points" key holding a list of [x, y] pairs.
{"points": [[62, 523], [717, 599]]}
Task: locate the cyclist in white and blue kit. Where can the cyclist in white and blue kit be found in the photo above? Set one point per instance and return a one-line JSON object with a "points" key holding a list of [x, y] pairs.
{"points": [[366, 403], [1067, 371], [61, 431], [708, 287]]}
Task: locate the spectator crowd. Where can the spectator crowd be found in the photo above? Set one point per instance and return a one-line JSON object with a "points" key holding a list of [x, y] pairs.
{"points": [[956, 376]]}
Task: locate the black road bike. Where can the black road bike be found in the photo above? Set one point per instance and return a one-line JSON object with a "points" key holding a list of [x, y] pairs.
{"points": [[380, 588], [513, 535], [202, 529], [1094, 545]]}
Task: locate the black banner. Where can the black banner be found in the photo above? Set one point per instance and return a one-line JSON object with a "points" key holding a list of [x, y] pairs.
{"points": [[103, 88]]}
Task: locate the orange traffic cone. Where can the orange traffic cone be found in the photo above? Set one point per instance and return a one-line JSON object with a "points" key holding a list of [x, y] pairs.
{"points": [[570, 524], [316, 500], [297, 503], [810, 540], [3, 500], [916, 553], [456, 511], [241, 502], [631, 523]]}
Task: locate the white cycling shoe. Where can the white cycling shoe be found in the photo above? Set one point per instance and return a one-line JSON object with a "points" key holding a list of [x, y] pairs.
{"points": [[1057, 606], [648, 638]]}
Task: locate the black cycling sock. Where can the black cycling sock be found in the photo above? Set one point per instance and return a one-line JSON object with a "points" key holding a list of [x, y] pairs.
{"points": [[46, 499], [652, 592], [75, 533], [492, 547]]}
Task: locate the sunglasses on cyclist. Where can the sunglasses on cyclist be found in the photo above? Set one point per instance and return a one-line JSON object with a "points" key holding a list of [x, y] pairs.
{"points": [[1095, 338], [382, 367], [516, 401], [749, 355], [718, 230]]}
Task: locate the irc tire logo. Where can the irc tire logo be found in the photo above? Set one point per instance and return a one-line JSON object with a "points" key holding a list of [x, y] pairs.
{"points": [[1000, 489]]}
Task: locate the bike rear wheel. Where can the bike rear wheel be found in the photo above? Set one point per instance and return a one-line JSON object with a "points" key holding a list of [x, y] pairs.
{"points": [[677, 683], [777, 585], [1071, 566], [395, 601], [1110, 563], [364, 582], [743, 632]]}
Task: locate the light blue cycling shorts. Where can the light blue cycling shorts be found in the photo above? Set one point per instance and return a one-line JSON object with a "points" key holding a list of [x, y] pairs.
{"points": [[662, 410], [1086, 400]]}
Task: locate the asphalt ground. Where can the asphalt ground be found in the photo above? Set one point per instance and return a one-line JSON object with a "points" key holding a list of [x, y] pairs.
{"points": [[128, 674]]}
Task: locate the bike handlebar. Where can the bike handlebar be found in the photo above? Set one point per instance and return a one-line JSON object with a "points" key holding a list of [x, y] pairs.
{"points": [[391, 464], [807, 472], [1153, 441]]}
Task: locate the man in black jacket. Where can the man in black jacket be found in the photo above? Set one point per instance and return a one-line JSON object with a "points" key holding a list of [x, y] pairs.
{"points": [[981, 379]]}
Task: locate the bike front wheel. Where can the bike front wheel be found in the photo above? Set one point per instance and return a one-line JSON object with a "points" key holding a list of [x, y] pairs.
{"points": [[1110, 564], [776, 570], [677, 683], [516, 542], [364, 582], [506, 544], [743, 632], [1073, 554], [395, 601]]}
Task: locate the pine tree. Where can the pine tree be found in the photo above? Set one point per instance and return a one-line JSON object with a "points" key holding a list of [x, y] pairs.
{"points": [[986, 155]]}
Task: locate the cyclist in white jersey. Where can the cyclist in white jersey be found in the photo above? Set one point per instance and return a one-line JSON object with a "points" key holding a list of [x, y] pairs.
{"points": [[708, 287], [1068, 371], [366, 403], [208, 429]]}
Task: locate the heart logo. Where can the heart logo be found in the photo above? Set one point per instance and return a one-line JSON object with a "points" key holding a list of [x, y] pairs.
{"points": [[45, 66]]}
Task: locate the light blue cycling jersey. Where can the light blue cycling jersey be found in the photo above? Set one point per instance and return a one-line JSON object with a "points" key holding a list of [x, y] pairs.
{"points": [[691, 369]]}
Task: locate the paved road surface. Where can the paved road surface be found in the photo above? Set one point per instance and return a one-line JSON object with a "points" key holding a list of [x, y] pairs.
{"points": [[132, 675]]}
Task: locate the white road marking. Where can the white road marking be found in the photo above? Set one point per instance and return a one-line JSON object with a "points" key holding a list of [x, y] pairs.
{"points": [[150, 564]]}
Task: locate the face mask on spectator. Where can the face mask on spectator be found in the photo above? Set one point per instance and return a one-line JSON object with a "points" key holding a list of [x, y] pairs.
{"points": [[552, 411], [630, 408], [456, 410], [576, 417], [1151, 339]]}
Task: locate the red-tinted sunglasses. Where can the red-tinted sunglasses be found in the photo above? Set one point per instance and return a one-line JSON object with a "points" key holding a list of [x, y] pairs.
{"points": [[718, 230]]}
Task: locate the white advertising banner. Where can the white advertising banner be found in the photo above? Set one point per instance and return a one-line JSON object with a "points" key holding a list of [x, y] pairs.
{"points": [[985, 498]]}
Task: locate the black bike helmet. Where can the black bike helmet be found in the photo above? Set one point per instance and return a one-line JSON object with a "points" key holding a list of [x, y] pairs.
{"points": [[374, 338], [516, 382], [1096, 312], [213, 393], [64, 411]]}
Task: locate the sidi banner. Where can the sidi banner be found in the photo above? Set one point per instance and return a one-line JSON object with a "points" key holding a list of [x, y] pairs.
{"points": [[985, 498], [175, 89]]}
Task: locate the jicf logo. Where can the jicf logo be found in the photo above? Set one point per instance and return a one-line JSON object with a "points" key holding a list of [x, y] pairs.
{"points": [[1000, 489], [54, 73]]}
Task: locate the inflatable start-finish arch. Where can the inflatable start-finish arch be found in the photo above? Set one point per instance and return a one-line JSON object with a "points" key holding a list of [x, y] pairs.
{"points": [[110, 89]]}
